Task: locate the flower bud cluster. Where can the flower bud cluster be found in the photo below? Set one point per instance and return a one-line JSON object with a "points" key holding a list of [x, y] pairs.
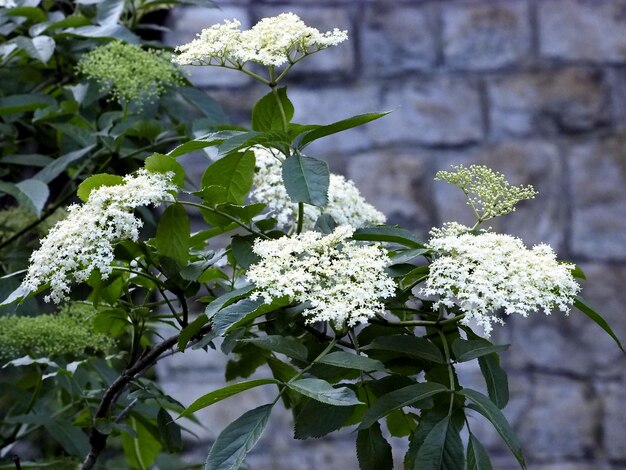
{"points": [[271, 42], [339, 279], [345, 204], [489, 272], [488, 192], [84, 241]]}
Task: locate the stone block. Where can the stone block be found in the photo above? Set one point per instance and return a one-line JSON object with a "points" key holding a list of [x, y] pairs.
{"points": [[567, 100], [533, 162], [397, 182], [560, 422], [187, 22], [335, 62], [485, 35], [614, 421], [435, 112], [587, 30], [397, 38], [598, 192]]}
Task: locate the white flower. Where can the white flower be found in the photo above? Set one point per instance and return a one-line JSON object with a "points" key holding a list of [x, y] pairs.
{"points": [[345, 204], [84, 241], [484, 273], [271, 42], [7, 4], [341, 280]]}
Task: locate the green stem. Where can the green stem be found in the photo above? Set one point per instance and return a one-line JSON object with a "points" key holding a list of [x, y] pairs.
{"points": [[300, 217], [446, 350], [283, 116], [382, 321]]}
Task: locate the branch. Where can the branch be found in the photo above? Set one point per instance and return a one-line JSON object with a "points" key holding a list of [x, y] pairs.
{"points": [[97, 440]]}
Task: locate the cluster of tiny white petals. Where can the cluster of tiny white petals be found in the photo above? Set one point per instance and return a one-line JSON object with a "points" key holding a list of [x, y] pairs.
{"points": [[339, 279], [7, 4], [84, 241], [271, 42], [488, 272], [345, 204]]}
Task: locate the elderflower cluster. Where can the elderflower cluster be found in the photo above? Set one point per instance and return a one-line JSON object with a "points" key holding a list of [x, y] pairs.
{"points": [[488, 192], [484, 273], [68, 332], [84, 241], [128, 72], [339, 279], [271, 42], [345, 204], [7, 4]]}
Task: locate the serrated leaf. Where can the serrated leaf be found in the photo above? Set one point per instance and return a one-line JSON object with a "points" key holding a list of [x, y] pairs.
{"points": [[72, 439], [244, 310], [280, 344], [388, 234], [58, 165], [267, 115], [397, 399], [234, 172], [409, 345], [467, 350], [477, 457], [169, 431], [489, 410], [164, 164], [495, 379], [173, 234], [95, 182], [221, 394], [347, 360], [239, 437], [335, 127], [142, 448], [227, 299], [190, 331], [306, 179], [316, 419], [324, 392], [372, 450], [242, 251], [584, 307], [442, 449]]}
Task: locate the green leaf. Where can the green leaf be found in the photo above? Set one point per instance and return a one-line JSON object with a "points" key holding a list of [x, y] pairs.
{"points": [[111, 322], [321, 390], [347, 360], [142, 448], [221, 394], [405, 396], [267, 115], [477, 457], [31, 193], [280, 344], [229, 317], [227, 299], [39, 48], [23, 103], [316, 419], [409, 345], [234, 443], [191, 146], [169, 431], [489, 410], [468, 350], [58, 165], [173, 234], [34, 14], [404, 256], [207, 105], [306, 180], [159, 163], [190, 331], [442, 449], [388, 234], [496, 380], [234, 172], [242, 251], [584, 307], [73, 440], [372, 450], [336, 127], [95, 182], [109, 11]]}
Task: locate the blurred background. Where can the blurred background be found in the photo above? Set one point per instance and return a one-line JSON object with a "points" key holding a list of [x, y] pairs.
{"points": [[533, 88]]}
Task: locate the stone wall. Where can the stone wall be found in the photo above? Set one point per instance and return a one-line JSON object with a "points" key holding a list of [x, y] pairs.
{"points": [[533, 88]]}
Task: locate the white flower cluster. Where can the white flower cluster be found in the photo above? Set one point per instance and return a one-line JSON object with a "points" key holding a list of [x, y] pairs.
{"points": [[484, 273], [345, 204], [341, 280], [7, 4], [271, 42], [84, 241]]}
